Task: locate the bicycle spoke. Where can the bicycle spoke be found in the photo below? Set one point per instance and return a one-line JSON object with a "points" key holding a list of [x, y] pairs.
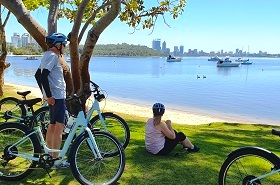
{"points": [[13, 167]]}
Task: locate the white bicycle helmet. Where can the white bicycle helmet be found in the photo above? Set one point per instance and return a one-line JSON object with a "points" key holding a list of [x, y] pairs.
{"points": [[158, 109]]}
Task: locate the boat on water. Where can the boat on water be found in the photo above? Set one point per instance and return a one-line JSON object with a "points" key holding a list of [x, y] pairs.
{"points": [[227, 63], [31, 58], [215, 58], [173, 59], [243, 61]]}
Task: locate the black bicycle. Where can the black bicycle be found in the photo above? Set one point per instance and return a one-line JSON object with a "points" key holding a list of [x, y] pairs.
{"points": [[22, 110], [251, 166]]}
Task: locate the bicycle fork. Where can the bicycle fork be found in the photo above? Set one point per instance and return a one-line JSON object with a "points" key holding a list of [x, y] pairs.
{"points": [[92, 144]]}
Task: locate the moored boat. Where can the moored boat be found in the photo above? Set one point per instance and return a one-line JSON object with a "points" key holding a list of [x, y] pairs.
{"points": [[227, 63], [215, 58], [31, 58], [243, 61], [173, 59]]}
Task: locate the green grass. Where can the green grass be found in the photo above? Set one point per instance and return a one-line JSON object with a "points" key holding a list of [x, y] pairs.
{"points": [[216, 141]]}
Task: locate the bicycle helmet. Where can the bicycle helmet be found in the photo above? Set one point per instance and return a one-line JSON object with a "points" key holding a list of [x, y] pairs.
{"points": [[158, 109], [55, 38]]}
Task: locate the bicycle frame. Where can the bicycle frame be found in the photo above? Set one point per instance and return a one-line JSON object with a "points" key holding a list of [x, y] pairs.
{"points": [[80, 124], [28, 113], [264, 175], [96, 107]]}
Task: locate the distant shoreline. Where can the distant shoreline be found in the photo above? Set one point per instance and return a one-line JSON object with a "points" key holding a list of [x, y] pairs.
{"points": [[121, 56]]}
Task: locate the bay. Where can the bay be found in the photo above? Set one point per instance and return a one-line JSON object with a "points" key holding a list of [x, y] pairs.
{"points": [[250, 92]]}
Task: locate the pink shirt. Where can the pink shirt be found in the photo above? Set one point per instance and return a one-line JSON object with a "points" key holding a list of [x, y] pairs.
{"points": [[154, 139]]}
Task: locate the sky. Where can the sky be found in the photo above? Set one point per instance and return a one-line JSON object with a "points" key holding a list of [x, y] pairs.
{"points": [[208, 25]]}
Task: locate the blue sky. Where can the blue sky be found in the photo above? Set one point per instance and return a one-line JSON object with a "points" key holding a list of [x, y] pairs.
{"points": [[208, 25]]}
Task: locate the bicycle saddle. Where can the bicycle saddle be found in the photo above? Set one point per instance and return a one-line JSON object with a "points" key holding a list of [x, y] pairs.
{"points": [[23, 93], [30, 102]]}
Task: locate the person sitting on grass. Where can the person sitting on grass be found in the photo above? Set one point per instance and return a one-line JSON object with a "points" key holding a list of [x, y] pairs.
{"points": [[161, 138]]}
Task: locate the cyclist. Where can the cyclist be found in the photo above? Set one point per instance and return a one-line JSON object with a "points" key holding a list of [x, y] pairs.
{"points": [[49, 77], [161, 138]]}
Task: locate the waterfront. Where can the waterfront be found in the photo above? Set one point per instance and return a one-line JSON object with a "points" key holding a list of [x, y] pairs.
{"points": [[248, 92]]}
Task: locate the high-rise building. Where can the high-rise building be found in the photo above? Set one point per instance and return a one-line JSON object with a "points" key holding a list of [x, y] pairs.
{"points": [[176, 50], [163, 46], [156, 44], [25, 39], [16, 41], [181, 50]]}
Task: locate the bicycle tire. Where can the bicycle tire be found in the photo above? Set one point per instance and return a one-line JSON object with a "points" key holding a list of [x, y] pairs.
{"points": [[115, 125], [245, 164], [9, 106], [41, 117], [90, 170], [14, 168]]}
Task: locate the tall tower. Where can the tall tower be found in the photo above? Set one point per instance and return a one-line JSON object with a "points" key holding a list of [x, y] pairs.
{"points": [[15, 40], [181, 50], [163, 46], [156, 44], [176, 50], [25, 39]]}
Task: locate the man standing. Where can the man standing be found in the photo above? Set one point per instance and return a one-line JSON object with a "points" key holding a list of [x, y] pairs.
{"points": [[50, 79]]}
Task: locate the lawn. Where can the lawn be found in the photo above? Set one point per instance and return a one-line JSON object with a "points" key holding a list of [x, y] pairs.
{"points": [[216, 140]]}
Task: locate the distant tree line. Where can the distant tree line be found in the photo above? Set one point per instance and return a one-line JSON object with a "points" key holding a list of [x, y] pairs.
{"points": [[25, 50], [124, 50], [99, 50]]}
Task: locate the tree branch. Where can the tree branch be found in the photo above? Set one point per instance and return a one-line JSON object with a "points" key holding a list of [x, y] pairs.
{"points": [[92, 17], [52, 17]]}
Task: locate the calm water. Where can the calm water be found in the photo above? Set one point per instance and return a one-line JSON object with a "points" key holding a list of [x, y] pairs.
{"points": [[248, 91]]}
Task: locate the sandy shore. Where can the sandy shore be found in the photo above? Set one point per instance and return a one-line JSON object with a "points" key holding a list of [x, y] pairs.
{"points": [[177, 116]]}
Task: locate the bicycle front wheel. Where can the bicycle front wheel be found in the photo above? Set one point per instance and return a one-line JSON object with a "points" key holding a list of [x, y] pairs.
{"points": [[88, 169], [12, 167], [248, 163], [10, 110], [115, 125]]}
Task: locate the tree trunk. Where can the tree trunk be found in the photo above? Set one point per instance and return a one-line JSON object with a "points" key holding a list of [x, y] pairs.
{"points": [[79, 65], [52, 18], [92, 39], [3, 53]]}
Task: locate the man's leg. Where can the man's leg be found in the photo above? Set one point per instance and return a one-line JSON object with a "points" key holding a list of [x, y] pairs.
{"points": [[57, 137], [49, 137]]}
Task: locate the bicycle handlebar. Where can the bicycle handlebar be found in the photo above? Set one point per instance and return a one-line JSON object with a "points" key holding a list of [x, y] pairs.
{"points": [[97, 95]]}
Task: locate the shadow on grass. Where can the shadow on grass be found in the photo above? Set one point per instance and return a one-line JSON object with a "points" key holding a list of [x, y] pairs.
{"points": [[216, 141]]}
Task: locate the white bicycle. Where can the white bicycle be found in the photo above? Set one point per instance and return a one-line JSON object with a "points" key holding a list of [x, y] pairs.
{"points": [[95, 157], [107, 121]]}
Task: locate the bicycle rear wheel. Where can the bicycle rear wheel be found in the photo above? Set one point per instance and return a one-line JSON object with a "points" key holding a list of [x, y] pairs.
{"points": [[88, 169], [15, 168], [115, 125], [10, 110], [245, 164], [41, 117]]}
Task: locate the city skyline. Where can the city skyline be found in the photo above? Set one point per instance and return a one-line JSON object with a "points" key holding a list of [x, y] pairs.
{"points": [[179, 50], [206, 25], [26, 39]]}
